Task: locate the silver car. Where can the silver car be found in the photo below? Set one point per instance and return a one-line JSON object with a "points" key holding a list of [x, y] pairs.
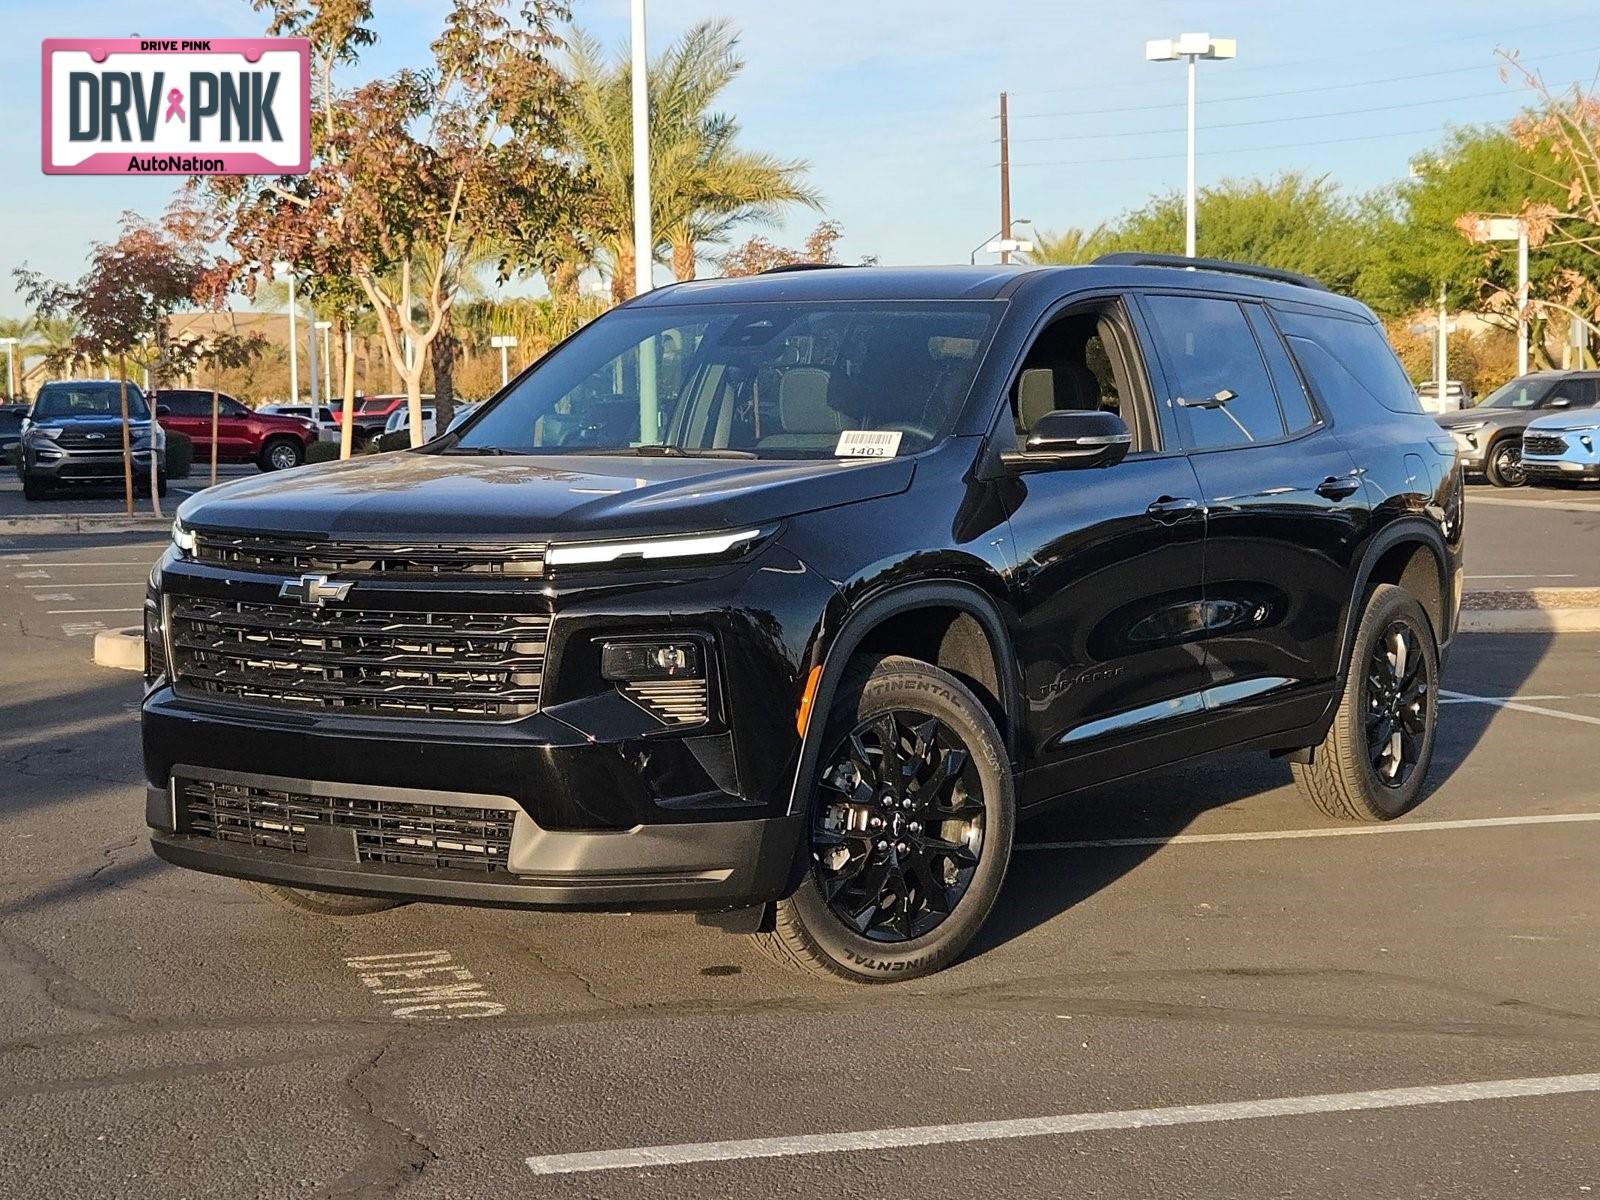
{"points": [[1489, 435], [1563, 446]]}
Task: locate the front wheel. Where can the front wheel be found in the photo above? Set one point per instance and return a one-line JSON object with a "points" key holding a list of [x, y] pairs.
{"points": [[1504, 466], [911, 823], [281, 454], [1372, 764], [34, 489]]}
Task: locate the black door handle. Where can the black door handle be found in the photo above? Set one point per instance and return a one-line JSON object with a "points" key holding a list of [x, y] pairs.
{"points": [[1337, 487], [1171, 509]]}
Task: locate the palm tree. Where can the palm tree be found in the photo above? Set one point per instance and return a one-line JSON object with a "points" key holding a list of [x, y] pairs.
{"points": [[702, 183], [1070, 247], [55, 339], [16, 330]]}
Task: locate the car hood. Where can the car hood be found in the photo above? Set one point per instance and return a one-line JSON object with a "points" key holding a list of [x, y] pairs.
{"points": [[404, 496], [1587, 418]]}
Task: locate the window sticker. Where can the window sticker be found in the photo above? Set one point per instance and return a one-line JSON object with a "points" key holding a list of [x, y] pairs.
{"points": [[867, 443]]}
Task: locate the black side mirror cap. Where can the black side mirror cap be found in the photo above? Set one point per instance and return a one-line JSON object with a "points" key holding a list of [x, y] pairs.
{"points": [[1071, 438]]}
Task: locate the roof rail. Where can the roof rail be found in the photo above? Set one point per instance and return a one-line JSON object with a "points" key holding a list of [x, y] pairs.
{"points": [[1133, 258], [803, 266]]}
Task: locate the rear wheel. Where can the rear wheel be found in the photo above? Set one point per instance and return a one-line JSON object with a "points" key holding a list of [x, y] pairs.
{"points": [[323, 904], [280, 454], [1372, 764], [911, 824], [1504, 466]]}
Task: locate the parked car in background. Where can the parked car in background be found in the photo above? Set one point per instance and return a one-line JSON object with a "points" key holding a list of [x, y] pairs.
{"points": [[1489, 435], [73, 438], [897, 558], [400, 420], [272, 442], [463, 411], [1455, 396], [323, 416], [11, 418], [1562, 446], [373, 413]]}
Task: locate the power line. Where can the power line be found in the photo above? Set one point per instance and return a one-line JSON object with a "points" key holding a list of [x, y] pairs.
{"points": [[1343, 112], [1330, 87], [1366, 137]]}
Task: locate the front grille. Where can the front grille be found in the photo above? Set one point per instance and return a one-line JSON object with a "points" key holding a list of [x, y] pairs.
{"points": [[1544, 443], [679, 702], [472, 666], [446, 837], [288, 555], [78, 439]]}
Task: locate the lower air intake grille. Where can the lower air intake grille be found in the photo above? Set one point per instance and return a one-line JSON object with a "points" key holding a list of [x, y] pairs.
{"points": [[678, 702], [444, 837]]}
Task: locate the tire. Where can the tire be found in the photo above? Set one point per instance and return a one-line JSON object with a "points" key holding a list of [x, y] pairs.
{"points": [[34, 489], [323, 904], [1503, 464], [281, 454], [1349, 777], [934, 716]]}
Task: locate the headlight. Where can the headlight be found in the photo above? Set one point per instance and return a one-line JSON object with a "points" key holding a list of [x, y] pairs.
{"points": [[46, 431], [694, 545], [182, 538], [1471, 427]]}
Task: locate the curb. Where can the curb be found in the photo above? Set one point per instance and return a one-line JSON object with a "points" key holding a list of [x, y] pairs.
{"points": [[1558, 620], [88, 523], [120, 648]]}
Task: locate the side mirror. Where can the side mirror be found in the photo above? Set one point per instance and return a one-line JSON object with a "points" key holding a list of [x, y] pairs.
{"points": [[163, 411], [1559, 402], [1072, 438]]}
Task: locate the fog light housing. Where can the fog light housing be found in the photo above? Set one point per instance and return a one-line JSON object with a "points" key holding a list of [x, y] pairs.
{"points": [[666, 658], [1588, 443], [155, 645]]}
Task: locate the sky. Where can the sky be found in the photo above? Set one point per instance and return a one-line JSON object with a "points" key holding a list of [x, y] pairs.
{"points": [[893, 102]]}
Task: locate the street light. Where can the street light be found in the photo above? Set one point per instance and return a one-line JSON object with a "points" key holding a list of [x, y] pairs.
{"points": [[503, 342], [294, 352], [1190, 46], [999, 243], [1512, 229], [327, 360], [644, 244]]}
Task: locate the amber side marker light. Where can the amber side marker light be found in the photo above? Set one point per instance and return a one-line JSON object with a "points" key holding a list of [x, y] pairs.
{"points": [[807, 697]]}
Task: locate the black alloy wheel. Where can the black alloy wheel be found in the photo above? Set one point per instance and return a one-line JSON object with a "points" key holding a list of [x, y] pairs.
{"points": [[898, 828], [1396, 712]]}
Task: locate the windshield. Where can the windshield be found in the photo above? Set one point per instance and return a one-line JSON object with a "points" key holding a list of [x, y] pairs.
{"points": [[1519, 393], [762, 380], [58, 400]]}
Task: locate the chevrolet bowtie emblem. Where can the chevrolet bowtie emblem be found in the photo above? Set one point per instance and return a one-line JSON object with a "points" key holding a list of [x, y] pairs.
{"points": [[314, 590]]}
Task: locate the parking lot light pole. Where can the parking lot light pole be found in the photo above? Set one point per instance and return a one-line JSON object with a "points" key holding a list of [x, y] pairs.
{"points": [[294, 353], [1193, 47], [503, 342], [1512, 229], [10, 344], [327, 359]]}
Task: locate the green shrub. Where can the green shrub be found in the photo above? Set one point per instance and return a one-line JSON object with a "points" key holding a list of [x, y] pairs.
{"points": [[180, 455], [322, 452], [400, 439]]}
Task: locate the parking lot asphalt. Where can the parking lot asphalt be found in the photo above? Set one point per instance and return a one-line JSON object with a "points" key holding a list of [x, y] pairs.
{"points": [[109, 500], [1198, 939]]}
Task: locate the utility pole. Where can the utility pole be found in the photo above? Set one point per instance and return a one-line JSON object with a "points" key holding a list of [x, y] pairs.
{"points": [[1005, 182], [1522, 297], [1441, 369]]}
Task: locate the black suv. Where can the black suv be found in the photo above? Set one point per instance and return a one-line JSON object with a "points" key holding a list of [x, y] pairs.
{"points": [[783, 599]]}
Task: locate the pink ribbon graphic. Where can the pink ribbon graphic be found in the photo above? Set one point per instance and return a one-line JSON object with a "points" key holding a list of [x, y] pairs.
{"points": [[174, 106]]}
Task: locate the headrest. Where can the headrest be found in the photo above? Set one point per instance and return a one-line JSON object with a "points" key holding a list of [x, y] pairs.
{"points": [[803, 402]]}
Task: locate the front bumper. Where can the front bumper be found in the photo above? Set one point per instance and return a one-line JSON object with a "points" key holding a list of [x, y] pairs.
{"points": [[1575, 465], [702, 866], [83, 466]]}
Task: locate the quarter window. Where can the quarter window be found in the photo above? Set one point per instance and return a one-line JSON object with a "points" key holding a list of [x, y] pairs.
{"points": [[1360, 350], [1215, 375], [1298, 414]]}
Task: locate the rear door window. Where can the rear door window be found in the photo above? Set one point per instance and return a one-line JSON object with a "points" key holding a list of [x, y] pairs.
{"points": [[1214, 371], [1298, 415], [1357, 349]]}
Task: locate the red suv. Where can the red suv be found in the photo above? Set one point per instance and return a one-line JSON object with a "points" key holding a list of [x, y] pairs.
{"points": [[273, 443]]}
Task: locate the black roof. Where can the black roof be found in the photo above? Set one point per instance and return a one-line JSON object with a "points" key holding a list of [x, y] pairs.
{"points": [[979, 283]]}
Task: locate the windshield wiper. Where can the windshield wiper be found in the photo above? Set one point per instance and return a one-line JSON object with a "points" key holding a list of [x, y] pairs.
{"points": [[657, 451], [475, 451]]}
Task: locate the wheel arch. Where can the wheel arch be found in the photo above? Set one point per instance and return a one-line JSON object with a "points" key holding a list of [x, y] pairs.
{"points": [[1410, 552], [952, 624]]}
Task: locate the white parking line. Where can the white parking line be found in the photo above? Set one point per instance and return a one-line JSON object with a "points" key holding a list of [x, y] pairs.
{"points": [[74, 612], [1030, 1127], [1284, 835], [1518, 706], [55, 563], [114, 583], [1521, 576]]}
